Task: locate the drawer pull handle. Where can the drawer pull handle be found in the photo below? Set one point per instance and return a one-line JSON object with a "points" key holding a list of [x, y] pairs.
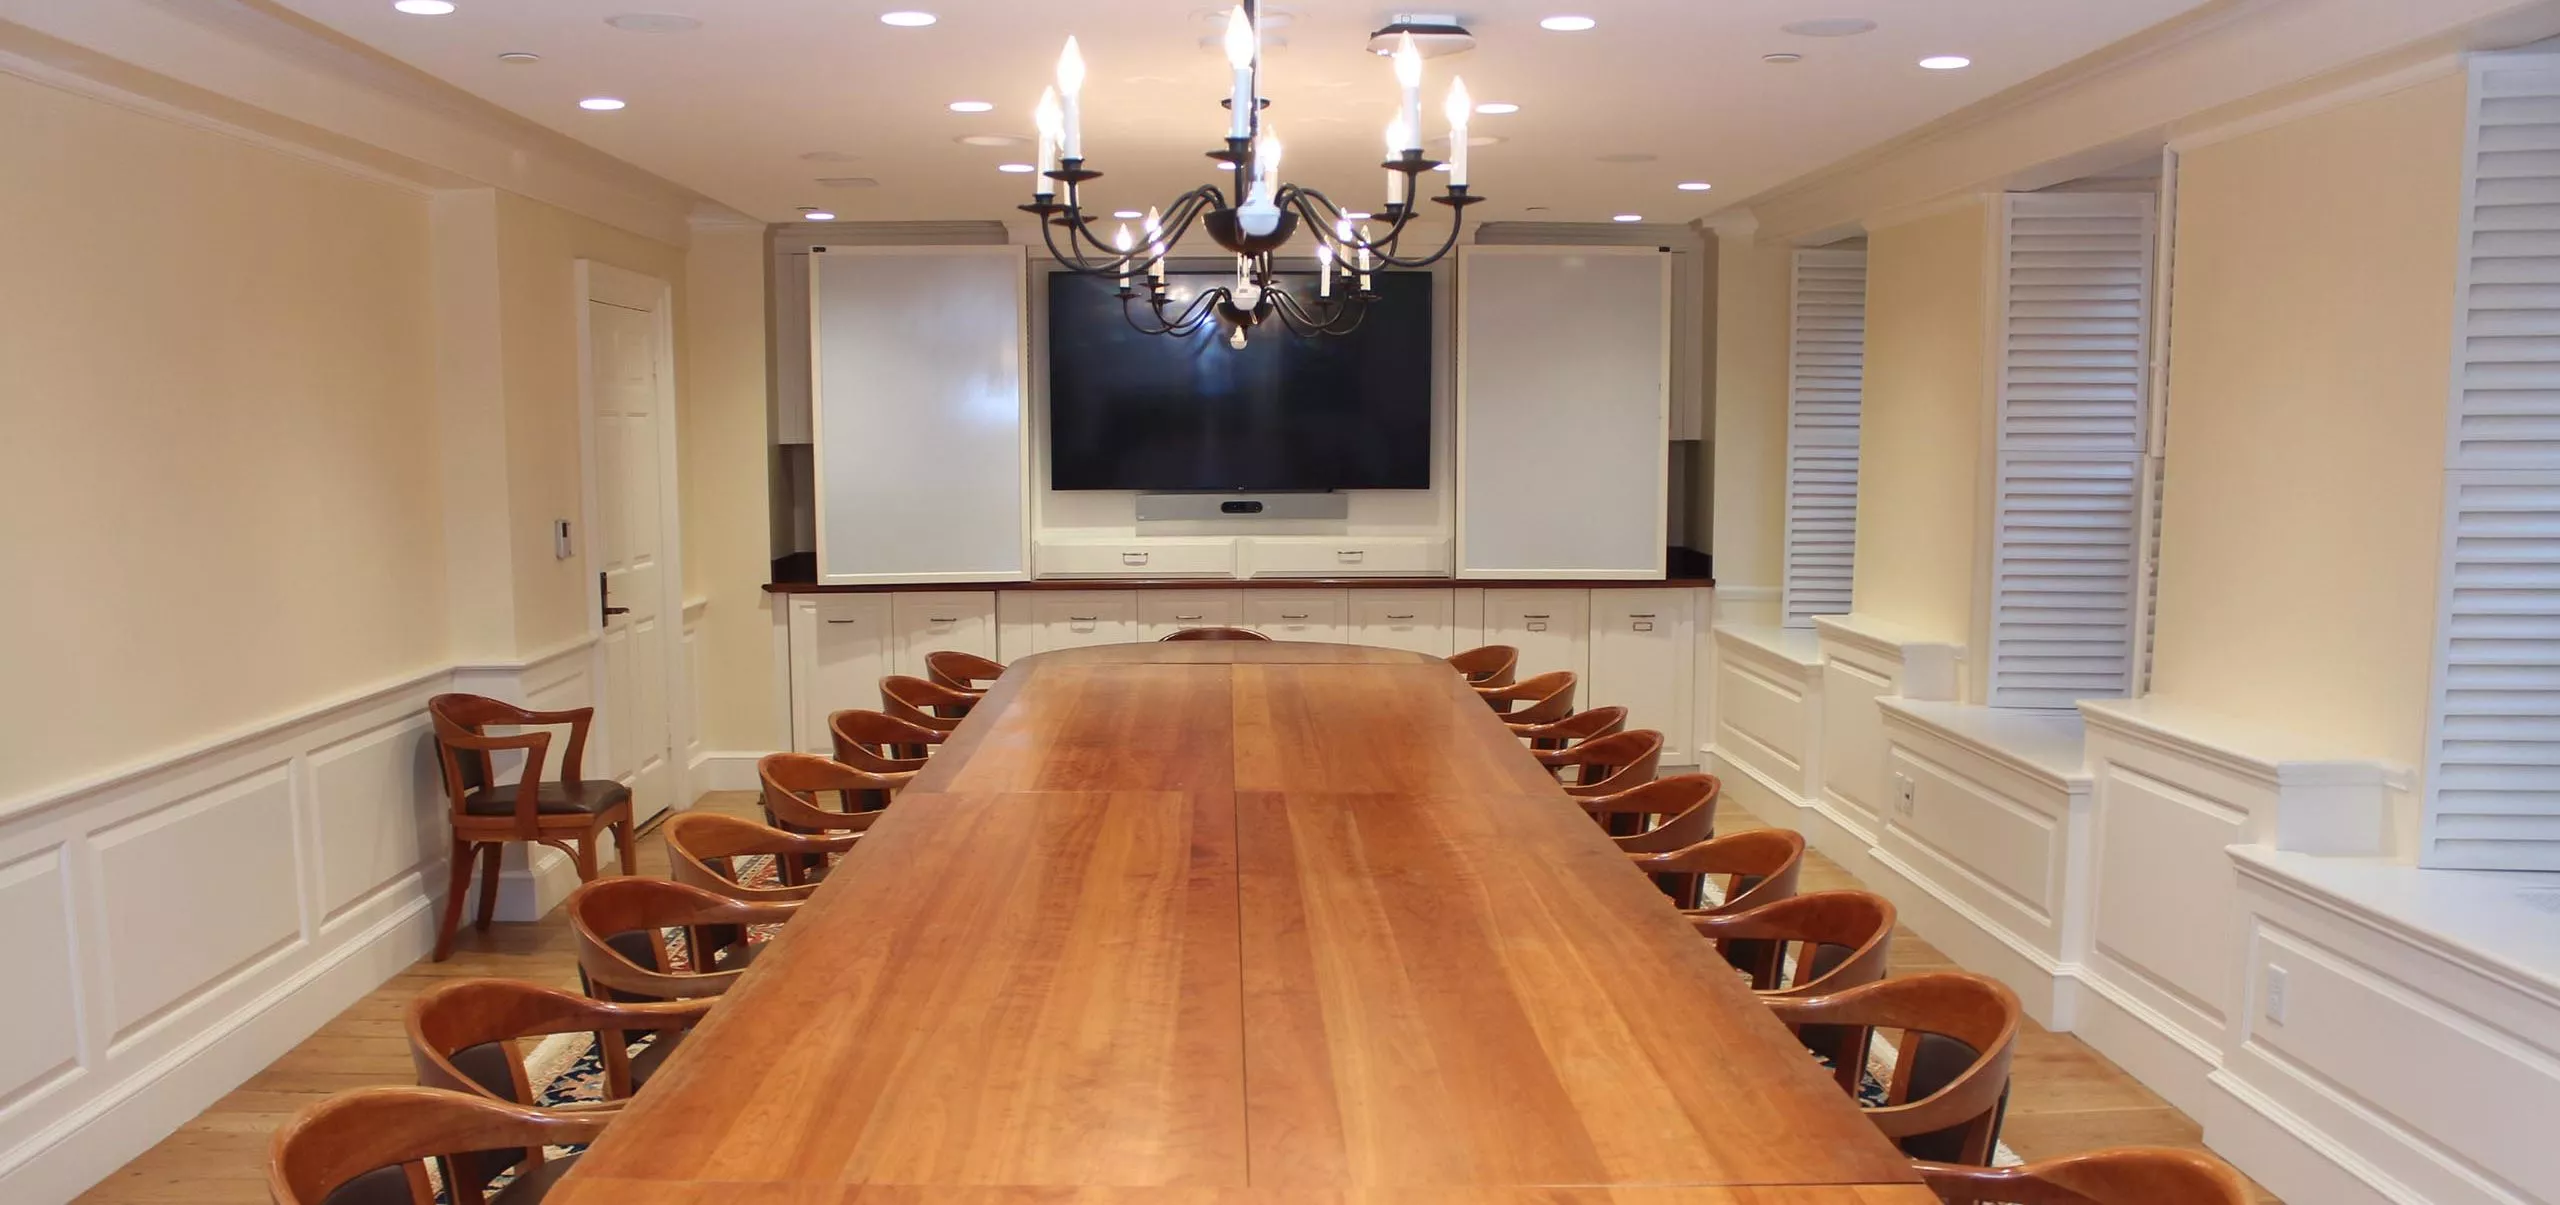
{"points": [[1646, 615], [1350, 556], [1083, 618], [1537, 625], [1133, 558], [1185, 618], [844, 621], [1283, 615], [1399, 617], [1644, 625]]}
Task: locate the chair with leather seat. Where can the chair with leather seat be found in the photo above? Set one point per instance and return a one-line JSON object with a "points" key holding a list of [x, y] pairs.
{"points": [[371, 1147], [703, 849], [1537, 699], [1213, 633], [569, 813], [625, 952], [1590, 724], [956, 670], [1758, 866], [1840, 939], [1490, 665], [2125, 1175], [468, 1035], [1950, 1080], [1608, 765], [1659, 816], [925, 704], [879, 742]]}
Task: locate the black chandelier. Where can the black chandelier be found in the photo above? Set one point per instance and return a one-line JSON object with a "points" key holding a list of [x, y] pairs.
{"points": [[1264, 216]]}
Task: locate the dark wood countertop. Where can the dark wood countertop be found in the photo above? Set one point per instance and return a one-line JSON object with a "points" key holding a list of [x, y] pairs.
{"points": [[1689, 569]]}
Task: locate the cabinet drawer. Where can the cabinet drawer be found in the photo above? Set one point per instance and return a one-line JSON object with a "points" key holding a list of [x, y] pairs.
{"points": [[839, 653], [1314, 615], [1403, 619], [1204, 557], [1161, 613], [1345, 556], [1551, 628], [1066, 619], [964, 621]]}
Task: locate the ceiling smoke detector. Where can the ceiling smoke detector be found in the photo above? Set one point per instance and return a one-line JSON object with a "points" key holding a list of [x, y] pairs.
{"points": [[1435, 35]]}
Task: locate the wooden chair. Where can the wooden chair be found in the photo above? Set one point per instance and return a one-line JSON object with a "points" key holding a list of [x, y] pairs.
{"points": [[2125, 1175], [569, 813], [1214, 634], [924, 704], [1843, 937], [1580, 726], [1607, 765], [625, 955], [1759, 866], [796, 786], [881, 743], [1491, 665], [467, 1035], [703, 849], [956, 670], [371, 1146], [1950, 1081], [1661, 816], [1549, 697]]}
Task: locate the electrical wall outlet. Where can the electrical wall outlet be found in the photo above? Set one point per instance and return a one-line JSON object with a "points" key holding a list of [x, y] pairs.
{"points": [[2275, 994], [1904, 792]]}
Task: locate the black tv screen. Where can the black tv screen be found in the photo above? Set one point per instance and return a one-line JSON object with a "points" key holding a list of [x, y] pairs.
{"points": [[1133, 411]]}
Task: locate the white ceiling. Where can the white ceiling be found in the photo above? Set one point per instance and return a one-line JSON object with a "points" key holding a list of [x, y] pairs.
{"points": [[768, 96]]}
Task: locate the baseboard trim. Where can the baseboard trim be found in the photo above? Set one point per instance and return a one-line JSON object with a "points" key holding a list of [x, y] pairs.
{"points": [[2167, 1059], [2287, 1154], [2049, 990]]}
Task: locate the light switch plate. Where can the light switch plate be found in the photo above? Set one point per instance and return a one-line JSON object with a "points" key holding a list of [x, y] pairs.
{"points": [[560, 547], [2275, 994], [1904, 793]]}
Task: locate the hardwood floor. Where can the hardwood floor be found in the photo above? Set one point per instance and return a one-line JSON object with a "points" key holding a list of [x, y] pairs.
{"points": [[2066, 1097]]}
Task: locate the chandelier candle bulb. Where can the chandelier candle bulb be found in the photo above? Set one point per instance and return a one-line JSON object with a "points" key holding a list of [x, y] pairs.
{"points": [[1460, 106], [1155, 244], [1120, 240], [1395, 147], [1409, 76], [1240, 56], [1070, 89], [1045, 116], [1324, 269]]}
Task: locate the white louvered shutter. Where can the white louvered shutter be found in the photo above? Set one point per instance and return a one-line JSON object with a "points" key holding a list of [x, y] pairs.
{"points": [[1826, 375], [2072, 346], [2493, 745]]}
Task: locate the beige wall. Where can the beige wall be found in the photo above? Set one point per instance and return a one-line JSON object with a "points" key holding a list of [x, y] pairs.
{"points": [[218, 479], [724, 454], [1750, 405], [2312, 336], [1920, 431], [538, 248]]}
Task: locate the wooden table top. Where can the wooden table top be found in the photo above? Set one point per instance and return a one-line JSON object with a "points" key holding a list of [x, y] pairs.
{"points": [[1243, 921]]}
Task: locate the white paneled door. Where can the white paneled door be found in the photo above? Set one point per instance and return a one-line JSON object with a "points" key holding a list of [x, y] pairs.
{"points": [[631, 533]]}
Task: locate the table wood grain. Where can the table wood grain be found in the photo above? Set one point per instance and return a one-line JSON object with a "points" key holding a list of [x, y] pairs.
{"points": [[1221, 923]]}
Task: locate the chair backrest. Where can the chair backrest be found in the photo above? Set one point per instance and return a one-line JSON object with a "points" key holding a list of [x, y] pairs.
{"points": [[1490, 665], [1609, 764], [371, 1146], [1548, 697], [464, 746], [1215, 633], [703, 849], [1760, 866], [1580, 726], [464, 1034], [1686, 803], [880, 742], [795, 786], [924, 704], [2125, 1175], [960, 671], [1841, 938], [1950, 1077], [623, 952]]}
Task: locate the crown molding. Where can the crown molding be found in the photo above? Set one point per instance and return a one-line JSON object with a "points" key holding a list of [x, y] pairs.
{"points": [[254, 70]]}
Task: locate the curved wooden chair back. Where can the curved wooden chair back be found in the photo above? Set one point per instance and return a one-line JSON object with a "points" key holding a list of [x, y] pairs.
{"points": [[486, 816], [796, 786], [2125, 1175], [624, 952], [464, 746], [1685, 803], [1951, 1075], [1842, 936], [1548, 698], [465, 1035], [881, 743], [1573, 729], [924, 704], [1759, 866], [1213, 634], [1609, 764], [371, 1146], [703, 849], [956, 670], [1490, 665]]}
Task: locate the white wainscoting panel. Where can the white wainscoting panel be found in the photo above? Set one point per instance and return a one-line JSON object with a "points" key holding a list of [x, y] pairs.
{"points": [[193, 891], [43, 1005], [365, 843], [1768, 718], [1864, 660]]}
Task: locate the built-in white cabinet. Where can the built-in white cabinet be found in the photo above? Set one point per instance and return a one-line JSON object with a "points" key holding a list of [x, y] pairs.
{"points": [[1161, 613], [1551, 629], [1344, 556], [1418, 620], [848, 639], [1640, 659], [961, 620], [1067, 619], [1314, 615], [1155, 556]]}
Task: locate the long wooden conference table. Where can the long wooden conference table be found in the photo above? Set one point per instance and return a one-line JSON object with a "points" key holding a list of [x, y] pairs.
{"points": [[1235, 924]]}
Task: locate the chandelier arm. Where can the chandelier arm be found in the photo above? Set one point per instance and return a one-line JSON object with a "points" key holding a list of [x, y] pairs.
{"points": [[1186, 212], [1457, 223], [1191, 319], [1074, 261], [1303, 322]]}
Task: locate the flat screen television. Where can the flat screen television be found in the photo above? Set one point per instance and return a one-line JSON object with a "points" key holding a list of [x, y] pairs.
{"points": [[1133, 411]]}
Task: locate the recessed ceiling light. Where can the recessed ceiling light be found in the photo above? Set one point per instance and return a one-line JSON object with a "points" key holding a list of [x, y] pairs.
{"points": [[1497, 108], [1567, 24], [1016, 168], [1628, 217], [1946, 62], [908, 19], [654, 23], [815, 215], [972, 106], [1127, 215], [424, 8], [991, 140], [1782, 58], [1829, 27], [518, 58], [601, 104]]}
